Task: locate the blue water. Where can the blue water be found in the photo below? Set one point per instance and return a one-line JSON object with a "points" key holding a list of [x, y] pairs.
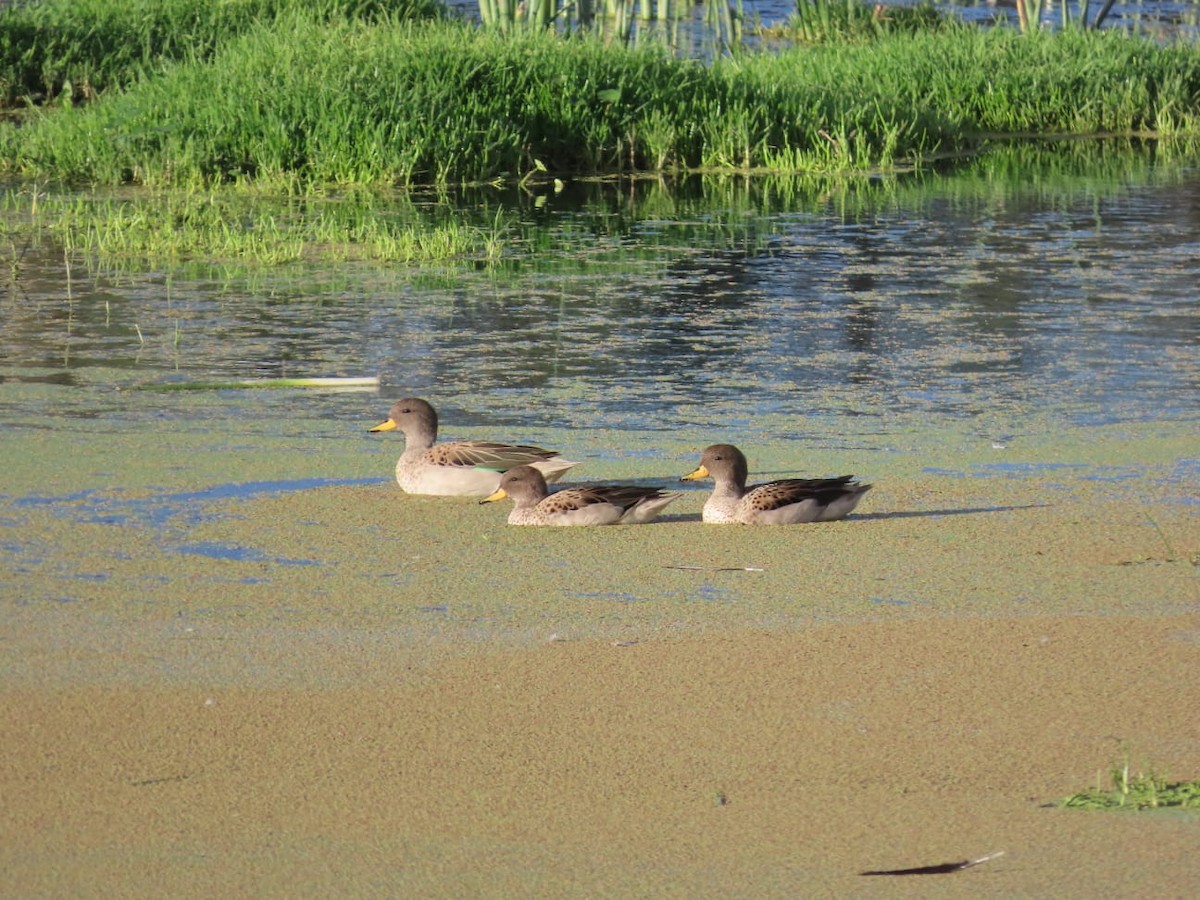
{"points": [[160, 510]]}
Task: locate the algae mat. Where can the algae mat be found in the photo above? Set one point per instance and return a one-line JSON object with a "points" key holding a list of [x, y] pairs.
{"points": [[294, 690]]}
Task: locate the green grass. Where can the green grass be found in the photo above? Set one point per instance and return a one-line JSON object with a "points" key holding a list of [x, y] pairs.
{"points": [[505, 230], [74, 49], [304, 103], [271, 131], [163, 227], [1136, 791]]}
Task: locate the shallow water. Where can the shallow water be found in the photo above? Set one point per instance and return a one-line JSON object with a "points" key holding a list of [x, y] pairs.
{"points": [[983, 344], [1050, 283]]}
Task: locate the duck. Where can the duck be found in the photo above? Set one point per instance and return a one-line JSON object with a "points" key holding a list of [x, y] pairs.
{"points": [[789, 501], [592, 504], [457, 468]]}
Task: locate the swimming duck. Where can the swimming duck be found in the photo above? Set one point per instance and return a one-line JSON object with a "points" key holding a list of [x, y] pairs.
{"points": [[788, 501], [599, 504], [457, 468]]}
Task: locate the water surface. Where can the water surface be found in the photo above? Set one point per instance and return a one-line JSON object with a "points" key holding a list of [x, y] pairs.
{"points": [[1056, 283], [987, 345]]}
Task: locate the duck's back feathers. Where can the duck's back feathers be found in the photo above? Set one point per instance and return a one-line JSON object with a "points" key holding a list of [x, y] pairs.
{"points": [[794, 501], [487, 455], [600, 504]]}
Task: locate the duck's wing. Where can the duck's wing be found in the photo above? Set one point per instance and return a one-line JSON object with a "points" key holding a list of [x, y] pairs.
{"points": [[603, 504], [486, 455], [795, 500]]}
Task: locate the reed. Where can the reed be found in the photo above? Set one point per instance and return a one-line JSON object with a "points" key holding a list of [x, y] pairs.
{"points": [[1031, 14], [613, 20], [819, 21], [507, 15], [725, 20]]}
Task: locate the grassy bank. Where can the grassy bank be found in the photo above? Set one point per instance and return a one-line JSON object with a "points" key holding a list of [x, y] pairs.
{"points": [[70, 50], [314, 100], [303, 103]]}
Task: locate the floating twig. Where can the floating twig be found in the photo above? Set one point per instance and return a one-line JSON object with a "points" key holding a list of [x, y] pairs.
{"points": [[338, 384], [166, 779], [939, 869], [717, 568]]}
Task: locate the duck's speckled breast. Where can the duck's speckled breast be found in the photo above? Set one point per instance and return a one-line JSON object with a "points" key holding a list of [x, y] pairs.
{"points": [[721, 511]]}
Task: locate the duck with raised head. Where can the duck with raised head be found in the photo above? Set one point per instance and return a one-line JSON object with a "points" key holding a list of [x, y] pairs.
{"points": [[457, 468], [788, 501], [591, 504]]}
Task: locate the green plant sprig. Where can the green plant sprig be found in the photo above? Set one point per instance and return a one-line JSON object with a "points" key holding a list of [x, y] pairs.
{"points": [[1134, 791]]}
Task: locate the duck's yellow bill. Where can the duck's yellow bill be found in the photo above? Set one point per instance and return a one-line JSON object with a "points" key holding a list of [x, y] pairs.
{"points": [[492, 498], [695, 476], [389, 425]]}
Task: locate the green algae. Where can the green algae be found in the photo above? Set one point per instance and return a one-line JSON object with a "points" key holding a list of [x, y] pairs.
{"points": [[188, 578]]}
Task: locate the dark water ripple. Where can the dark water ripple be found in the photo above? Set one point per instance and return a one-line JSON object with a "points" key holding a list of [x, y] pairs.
{"points": [[962, 302]]}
